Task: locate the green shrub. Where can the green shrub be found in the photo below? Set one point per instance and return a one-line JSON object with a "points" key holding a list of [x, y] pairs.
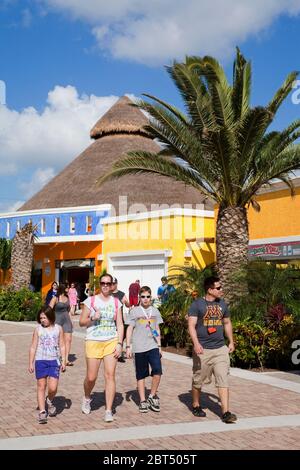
{"points": [[174, 330], [19, 305], [270, 288], [261, 346]]}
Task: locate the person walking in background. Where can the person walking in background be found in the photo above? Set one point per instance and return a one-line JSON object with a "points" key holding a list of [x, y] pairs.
{"points": [[134, 290], [102, 316], [164, 291], [88, 291], [208, 320], [46, 346], [61, 306], [124, 301], [73, 298], [52, 292], [143, 327]]}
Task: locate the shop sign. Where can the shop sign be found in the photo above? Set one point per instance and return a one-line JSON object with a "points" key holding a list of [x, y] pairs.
{"points": [[275, 250]]}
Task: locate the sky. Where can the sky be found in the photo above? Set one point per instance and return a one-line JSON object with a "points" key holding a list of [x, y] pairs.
{"points": [[63, 63]]}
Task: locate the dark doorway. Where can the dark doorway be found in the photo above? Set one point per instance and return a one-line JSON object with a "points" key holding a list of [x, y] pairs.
{"points": [[36, 279], [80, 276]]}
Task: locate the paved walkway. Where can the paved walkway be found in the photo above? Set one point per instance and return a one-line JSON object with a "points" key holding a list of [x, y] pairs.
{"points": [[267, 405]]}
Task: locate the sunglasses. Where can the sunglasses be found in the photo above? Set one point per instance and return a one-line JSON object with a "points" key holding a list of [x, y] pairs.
{"points": [[105, 283], [218, 288], [145, 296]]}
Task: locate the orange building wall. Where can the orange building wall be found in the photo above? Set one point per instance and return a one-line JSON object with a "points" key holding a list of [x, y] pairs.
{"points": [[279, 215], [64, 251]]}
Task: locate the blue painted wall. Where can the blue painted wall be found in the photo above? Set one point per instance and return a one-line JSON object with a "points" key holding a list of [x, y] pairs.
{"points": [[80, 223]]}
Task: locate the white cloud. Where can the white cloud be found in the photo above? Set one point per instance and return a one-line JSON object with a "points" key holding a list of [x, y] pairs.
{"points": [[40, 177], [46, 141], [54, 136], [161, 30]]}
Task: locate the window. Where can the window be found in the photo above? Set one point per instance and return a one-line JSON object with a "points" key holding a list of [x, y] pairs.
{"points": [[18, 225], [72, 224], [88, 223], [7, 229], [57, 224], [43, 226]]}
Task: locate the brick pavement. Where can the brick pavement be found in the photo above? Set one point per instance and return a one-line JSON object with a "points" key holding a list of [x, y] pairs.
{"points": [[248, 399]]}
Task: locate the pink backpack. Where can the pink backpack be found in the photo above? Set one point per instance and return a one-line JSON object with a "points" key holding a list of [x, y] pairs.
{"points": [[116, 306]]}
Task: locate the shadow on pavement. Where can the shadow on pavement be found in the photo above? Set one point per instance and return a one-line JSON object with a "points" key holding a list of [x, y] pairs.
{"points": [[98, 400], [61, 403], [208, 401]]}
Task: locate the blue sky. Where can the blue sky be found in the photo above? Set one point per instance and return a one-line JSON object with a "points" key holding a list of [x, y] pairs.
{"points": [[65, 62]]}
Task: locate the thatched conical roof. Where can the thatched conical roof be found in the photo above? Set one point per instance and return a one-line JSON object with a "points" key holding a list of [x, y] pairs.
{"points": [[76, 185], [122, 117]]}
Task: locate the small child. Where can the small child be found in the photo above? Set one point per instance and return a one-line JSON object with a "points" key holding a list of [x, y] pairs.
{"points": [[143, 322], [46, 347]]}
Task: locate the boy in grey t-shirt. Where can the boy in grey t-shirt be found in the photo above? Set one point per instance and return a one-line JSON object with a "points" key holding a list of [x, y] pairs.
{"points": [[143, 328]]}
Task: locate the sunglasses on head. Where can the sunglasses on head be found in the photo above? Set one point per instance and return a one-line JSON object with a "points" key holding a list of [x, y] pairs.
{"points": [[145, 296], [105, 283]]}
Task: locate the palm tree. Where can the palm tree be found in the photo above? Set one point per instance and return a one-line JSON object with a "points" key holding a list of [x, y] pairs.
{"points": [[220, 146], [22, 256]]}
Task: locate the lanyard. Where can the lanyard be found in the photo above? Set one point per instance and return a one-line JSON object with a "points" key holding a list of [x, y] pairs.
{"points": [[145, 313]]}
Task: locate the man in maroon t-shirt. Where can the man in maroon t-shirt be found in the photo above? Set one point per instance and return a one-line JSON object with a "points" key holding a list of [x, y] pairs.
{"points": [[134, 290]]}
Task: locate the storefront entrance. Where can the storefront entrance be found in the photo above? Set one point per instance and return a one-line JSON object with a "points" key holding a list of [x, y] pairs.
{"points": [[76, 271]]}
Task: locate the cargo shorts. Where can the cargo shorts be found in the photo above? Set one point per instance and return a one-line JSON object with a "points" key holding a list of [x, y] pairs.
{"points": [[212, 362]]}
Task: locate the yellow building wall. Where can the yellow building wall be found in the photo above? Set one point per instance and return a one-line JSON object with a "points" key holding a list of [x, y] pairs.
{"points": [[279, 215], [64, 251], [164, 233]]}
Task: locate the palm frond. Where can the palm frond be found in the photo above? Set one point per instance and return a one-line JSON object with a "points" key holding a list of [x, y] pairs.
{"points": [[282, 92], [241, 86], [146, 162]]}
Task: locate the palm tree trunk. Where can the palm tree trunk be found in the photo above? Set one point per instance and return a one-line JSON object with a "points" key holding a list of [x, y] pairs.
{"points": [[232, 249], [22, 257]]}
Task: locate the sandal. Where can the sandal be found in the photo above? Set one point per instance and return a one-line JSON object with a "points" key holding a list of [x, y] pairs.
{"points": [[69, 364]]}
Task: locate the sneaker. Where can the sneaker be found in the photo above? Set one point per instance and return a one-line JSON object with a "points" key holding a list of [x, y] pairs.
{"points": [[108, 417], [86, 406], [50, 408], [153, 403], [144, 407], [42, 419], [228, 417], [197, 411]]}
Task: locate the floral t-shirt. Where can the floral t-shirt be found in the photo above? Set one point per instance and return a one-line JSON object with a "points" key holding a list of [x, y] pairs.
{"points": [[105, 328]]}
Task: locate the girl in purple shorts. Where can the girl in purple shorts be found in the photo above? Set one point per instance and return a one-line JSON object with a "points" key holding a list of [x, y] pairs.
{"points": [[46, 348]]}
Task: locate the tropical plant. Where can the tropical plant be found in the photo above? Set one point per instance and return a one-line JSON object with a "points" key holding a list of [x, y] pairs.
{"points": [[273, 291], [220, 146], [5, 256], [259, 345], [22, 256], [19, 305], [190, 279]]}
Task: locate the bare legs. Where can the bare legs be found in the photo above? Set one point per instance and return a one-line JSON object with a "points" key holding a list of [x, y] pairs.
{"points": [[93, 365], [41, 390]]}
